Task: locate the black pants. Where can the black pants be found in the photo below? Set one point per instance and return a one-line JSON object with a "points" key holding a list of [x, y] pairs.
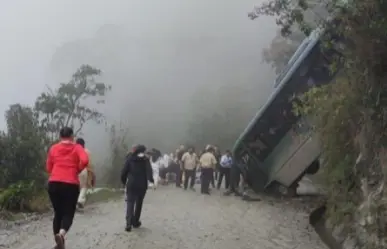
{"points": [[134, 202], [175, 168], [163, 173], [224, 172], [190, 174], [206, 177], [212, 179], [64, 197], [217, 172], [235, 178]]}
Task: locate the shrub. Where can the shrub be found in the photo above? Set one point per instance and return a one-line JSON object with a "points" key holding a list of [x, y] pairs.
{"points": [[24, 196]]}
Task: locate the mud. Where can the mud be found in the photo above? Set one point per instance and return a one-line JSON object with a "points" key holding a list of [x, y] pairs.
{"points": [[174, 218]]}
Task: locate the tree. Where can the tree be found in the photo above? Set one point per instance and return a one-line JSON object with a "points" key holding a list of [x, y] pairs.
{"points": [[66, 105], [22, 147], [119, 148], [281, 50]]}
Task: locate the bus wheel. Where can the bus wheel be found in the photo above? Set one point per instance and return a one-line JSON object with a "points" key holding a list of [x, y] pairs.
{"points": [[313, 168], [290, 191]]}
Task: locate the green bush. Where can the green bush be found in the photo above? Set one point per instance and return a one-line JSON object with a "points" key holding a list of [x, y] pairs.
{"points": [[23, 196]]}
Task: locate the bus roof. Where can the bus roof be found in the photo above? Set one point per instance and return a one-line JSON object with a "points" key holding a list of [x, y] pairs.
{"points": [[294, 63]]}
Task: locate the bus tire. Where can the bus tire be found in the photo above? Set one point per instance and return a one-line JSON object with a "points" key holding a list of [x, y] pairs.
{"points": [[313, 167], [279, 189]]}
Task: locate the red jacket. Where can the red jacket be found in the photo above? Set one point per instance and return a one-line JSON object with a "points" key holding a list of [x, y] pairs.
{"points": [[65, 160]]}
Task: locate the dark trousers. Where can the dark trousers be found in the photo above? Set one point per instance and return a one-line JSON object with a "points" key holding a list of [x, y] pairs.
{"points": [[235, 177], [190, 174], [224, 172], [212, 179], [134, 202], [63, 197], [217, 172], [175, 168], [206, 176], [179, 176], [163, 173]]}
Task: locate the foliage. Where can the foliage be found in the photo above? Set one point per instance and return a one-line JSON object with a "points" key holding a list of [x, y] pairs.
{"points": [[30, 132], [334, 116], [66, 105], [24, 196], [350, 115], [281, 50], [119, 148], [22, 147]]}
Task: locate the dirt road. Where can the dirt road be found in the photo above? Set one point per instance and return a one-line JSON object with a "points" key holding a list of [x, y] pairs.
{"points": [[177, 219]]}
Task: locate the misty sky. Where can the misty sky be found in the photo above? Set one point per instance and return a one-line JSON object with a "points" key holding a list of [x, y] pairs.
{"points": [[198, 42]]}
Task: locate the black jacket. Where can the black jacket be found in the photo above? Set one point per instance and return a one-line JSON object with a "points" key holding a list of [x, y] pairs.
{"points": [[137, 172]]}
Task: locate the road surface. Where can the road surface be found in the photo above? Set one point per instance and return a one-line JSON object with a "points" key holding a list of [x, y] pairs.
{"points": [[177, 219]]}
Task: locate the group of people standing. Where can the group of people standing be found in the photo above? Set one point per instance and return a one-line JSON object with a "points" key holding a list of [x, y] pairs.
{"points": [[185, 163]]}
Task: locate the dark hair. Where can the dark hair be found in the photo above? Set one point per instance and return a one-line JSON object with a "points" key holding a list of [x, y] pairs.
{"points": [[139, 149], [66, 132], [80, 141]]}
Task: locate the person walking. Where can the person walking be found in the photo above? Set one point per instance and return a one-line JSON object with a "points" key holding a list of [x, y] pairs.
{"points": [[190, 161], [207, 165], [224, 169], [135, 175], [86, 177], [157, 164], [65, 160], [164, 168]]}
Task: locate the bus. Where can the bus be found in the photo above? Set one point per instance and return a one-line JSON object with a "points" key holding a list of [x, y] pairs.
{"points": [[278, 147]]}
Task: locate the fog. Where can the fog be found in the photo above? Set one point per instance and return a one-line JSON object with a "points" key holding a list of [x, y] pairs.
{"points": [[155, 54]]}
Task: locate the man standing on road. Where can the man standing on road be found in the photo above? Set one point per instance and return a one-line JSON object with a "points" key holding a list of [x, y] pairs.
{"points": [[235, 177], [86, 178], [238, 171], [190, 161], [179, 175], [218, 156], [207, 166], [224, 169]]}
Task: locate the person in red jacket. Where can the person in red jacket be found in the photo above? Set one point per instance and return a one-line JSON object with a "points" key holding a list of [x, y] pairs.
{"points": [[65, 160]]}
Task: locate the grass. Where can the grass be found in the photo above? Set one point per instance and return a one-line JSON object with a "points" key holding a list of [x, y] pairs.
{"points": [[104, 195]]}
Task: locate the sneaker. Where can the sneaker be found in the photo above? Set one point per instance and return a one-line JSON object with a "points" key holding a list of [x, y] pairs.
{"points": [[137, 224], [60, 242], [193, 189], [128, 228]]}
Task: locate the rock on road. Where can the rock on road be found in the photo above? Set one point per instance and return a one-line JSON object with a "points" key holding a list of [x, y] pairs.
{"points": [[177, 219]]}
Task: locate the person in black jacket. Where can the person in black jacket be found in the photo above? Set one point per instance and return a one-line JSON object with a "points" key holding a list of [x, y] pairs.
{"points": [[135, 175]]}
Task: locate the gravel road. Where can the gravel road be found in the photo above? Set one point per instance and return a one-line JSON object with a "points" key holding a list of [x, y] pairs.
{"points": [[177, 219]]}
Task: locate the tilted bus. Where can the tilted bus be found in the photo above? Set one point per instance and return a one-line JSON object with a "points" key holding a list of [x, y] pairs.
{"points": [[278, 147]]}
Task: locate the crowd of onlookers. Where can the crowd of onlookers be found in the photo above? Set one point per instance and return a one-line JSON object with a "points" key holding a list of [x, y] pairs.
{"points": [[186, 167]]}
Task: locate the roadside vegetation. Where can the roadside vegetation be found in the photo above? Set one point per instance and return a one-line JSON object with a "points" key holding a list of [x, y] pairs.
{"points": [[32, 129]]}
